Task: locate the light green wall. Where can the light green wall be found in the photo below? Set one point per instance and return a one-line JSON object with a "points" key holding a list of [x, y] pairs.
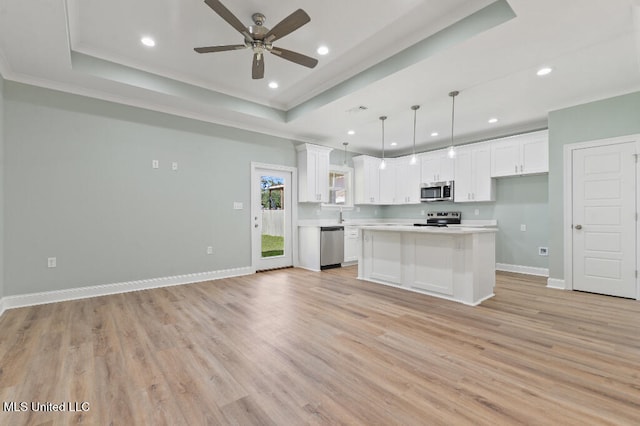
{"points": [[519, 201], [79, 186], [603, 119]]}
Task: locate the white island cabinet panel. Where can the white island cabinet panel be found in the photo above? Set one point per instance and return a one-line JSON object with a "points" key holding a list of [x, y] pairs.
{"points": [[429, 264], [382, 248], [452, 263]]}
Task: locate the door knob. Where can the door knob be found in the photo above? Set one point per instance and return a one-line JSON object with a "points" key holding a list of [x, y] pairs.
{"points": [[578, 226]]}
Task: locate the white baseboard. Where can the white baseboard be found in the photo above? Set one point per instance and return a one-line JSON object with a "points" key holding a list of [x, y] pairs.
{"points": [[22, 300], [519, 269], [556, 283]]}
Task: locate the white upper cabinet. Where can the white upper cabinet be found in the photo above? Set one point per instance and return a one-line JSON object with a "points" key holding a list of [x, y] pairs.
{"points": [[520, 155], [367, 179], [407, 181], [388, 180], [436, 166], [473, 181], [313, 173]]}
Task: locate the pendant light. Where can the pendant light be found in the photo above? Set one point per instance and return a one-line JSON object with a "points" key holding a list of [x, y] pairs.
{"points": [[345, 152], [452, 148], [414, 160], [383, 163]]}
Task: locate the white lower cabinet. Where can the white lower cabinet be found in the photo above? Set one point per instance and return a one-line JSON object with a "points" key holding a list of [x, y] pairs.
{"points": [[351, 243]]}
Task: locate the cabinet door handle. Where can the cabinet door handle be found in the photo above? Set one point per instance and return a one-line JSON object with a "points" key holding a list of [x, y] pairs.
{"points": [[520, 168], [468, 195], [516, 168]]}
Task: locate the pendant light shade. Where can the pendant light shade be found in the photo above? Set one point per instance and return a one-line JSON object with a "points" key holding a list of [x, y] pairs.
{"points": [[414, 159], [383, 163], [345, 152], [452, 148]]}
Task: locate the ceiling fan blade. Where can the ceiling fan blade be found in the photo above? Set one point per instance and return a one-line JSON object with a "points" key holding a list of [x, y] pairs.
{"points": [[211, 49], [296, 57], [257, 71], [231, 19], [287, 25]]}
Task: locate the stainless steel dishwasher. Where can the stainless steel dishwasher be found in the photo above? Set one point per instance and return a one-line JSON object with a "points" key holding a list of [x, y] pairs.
{"points": [[331, 246]]}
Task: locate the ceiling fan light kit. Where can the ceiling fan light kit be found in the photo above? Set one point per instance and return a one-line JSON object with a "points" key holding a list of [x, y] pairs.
{"points": [[260, 39]]}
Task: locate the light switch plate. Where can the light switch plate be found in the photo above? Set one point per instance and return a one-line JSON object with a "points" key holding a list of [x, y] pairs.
{"points": [[51, 262], [237, 205], [174, 165], [523, 228], [155, 164]]}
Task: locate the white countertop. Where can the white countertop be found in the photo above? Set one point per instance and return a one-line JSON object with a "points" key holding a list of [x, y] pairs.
{"points": [[429, 229], [392, 222]]}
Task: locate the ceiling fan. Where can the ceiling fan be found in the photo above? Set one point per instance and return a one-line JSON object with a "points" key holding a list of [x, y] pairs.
{"points": [[260, 39]]}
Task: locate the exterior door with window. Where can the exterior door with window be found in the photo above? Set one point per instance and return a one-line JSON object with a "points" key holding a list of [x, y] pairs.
{"points": [[271, 218]]}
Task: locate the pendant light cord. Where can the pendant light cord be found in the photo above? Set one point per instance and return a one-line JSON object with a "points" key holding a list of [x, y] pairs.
{"points": [[415, 112], [382, 119], [453, 111], [453, 114]]}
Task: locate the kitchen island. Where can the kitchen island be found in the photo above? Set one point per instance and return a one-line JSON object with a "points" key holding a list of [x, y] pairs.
{"points": [[454, 263]]}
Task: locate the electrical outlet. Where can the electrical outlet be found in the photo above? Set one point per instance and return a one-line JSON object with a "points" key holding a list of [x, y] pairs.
{"points": [[421, 212], [51, 262], [476, 212], [174, 166], [357, 209], [543, 251], [523, 228], [237, 205], [155, 164], [209, 250], [318, 212]]}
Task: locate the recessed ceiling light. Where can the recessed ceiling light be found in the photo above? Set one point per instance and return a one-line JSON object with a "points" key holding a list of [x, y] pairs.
{"points": [[273, 85], [434, 134], [148, 41], [394, 143], [493, 120], [544, 71], [351, 132], [322, 50]]}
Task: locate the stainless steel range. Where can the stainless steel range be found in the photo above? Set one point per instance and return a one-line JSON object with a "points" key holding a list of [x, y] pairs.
{"points": [[442, 219]]}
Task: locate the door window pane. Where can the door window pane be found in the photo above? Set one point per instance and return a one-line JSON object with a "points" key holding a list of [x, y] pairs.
{"points": [[272, 190]]}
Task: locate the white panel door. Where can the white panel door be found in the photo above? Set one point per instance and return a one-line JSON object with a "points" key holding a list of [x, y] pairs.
{"points": [[604, 220]]}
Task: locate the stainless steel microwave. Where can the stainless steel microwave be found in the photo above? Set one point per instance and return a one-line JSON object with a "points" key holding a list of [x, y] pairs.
{"points": [[436, 191]]}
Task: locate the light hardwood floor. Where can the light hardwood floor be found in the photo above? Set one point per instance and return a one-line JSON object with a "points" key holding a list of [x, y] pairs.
{"points": [[293, 347]]}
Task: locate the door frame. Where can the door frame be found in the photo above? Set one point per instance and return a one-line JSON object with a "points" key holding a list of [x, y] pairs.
{"points": [[568, 201], [294, 209]]}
